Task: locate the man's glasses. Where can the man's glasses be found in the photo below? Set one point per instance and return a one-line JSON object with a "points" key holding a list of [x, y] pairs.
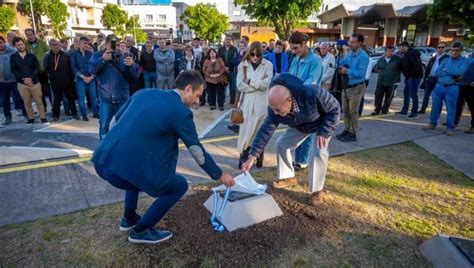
{"points": [[455, 50], [295, 48], [442, 47], [255, 55]]}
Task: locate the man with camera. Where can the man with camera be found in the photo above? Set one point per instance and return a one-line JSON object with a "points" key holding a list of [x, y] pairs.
{"points": [[449, 76], [113, 71]]}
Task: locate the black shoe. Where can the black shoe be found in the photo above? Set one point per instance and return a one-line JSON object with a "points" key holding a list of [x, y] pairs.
{"points": [[298, 166], [221, 108], [413, 116], [375, 113], [30, 121], [76, 117], [85, 118], [67, 113], [421, 111], [344, 133], [213, 108], [402, 113], [348, 138], [385, 112], [234, 128], [55, 119], [44, 121], [96, 116], [8, 120]]}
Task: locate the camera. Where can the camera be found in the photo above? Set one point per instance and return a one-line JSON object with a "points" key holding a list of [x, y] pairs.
{"points": [[113, 43]]}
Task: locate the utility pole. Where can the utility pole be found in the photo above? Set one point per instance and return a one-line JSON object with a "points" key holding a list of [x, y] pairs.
{"points": [[32, 17]]}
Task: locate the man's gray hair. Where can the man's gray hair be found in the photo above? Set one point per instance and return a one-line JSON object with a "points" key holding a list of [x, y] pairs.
{"points": [[324, 44]]}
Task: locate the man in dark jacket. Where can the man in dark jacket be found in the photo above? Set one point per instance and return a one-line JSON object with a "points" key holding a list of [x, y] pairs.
{"points": [[389, 70], [413, 72], [229, 54], [306, 109], [26, 69], [155, 119], [113, 71], [148, 64], [466, 94], [430, 79], [57, 65]]}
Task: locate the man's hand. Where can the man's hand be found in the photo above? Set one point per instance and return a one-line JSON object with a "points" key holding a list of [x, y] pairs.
{"points": [[28, 81], [227, 180], [472, 84], [227, 70], [128, 61], [107, 55], [321, 142], [87, 79], [343, 70], [248, 164]]}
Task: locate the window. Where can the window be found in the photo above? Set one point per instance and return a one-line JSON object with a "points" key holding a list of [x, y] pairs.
{"points": [[148, 18], [162, 17], [236, 13]]}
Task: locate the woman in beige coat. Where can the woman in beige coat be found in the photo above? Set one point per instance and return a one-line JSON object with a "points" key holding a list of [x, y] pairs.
{"points": [[253, 79]]}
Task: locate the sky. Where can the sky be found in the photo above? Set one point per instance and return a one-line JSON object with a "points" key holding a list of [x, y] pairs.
{"points": [[350, 4]]}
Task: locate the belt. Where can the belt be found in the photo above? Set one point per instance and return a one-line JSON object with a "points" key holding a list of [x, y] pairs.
{"points": [[448, 85], [354, 85]]}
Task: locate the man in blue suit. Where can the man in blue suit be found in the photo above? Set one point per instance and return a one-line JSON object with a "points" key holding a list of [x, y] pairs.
{"points": [[140, 152]]}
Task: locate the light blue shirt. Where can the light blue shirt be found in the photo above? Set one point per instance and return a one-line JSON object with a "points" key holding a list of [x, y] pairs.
{"points": [[449, 68], [309, 69], [435, 64], [357, 63]]}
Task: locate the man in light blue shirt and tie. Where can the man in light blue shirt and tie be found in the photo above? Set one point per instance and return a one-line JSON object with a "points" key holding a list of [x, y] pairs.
{"points": [[354, 65]]}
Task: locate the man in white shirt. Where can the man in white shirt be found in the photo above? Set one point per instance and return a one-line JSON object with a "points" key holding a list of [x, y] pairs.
{"points": [[197, 48], [329, 66]]}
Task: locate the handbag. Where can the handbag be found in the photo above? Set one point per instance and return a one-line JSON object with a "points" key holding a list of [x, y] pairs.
{"points": [[237, 115]]}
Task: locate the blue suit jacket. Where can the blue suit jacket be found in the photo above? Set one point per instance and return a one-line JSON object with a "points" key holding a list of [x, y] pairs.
{"points": [[142, 147], [284, 62]]}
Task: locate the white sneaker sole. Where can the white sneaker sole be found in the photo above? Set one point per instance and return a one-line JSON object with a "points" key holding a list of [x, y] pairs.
{"points": [[140, 241], [126, 229]]}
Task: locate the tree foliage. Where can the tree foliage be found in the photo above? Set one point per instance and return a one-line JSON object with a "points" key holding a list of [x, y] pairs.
{"points": [[55, 10], [58, 15], [284, 15], [132, 27], [456, 11], [206, 21], [7, 18], [114, 18]]}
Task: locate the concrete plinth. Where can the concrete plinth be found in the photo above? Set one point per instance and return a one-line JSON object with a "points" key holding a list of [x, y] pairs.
{"points": [[441, 252], [245, 212]]}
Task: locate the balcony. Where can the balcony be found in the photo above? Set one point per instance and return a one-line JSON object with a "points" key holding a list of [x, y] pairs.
{"points": [[82, 3], [11, 1]]}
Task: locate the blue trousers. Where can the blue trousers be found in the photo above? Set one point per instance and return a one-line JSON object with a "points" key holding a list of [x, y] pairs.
{"points": [[232, 86], [7, 90], [149, 79], [411, 92], [107, 111], [171, 194], [450, 97], [81, 88]]}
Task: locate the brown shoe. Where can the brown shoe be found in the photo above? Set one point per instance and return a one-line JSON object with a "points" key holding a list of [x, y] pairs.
{"points": [[429, 127], [316, 198], [449, 132], [285, 183], [470, 131]]}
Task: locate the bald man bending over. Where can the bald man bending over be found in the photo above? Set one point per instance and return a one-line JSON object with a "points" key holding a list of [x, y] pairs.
{"points": [[306, 109]]}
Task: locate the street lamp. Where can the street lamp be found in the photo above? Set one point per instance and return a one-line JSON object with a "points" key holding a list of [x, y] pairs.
{"points": [[32, 16]]}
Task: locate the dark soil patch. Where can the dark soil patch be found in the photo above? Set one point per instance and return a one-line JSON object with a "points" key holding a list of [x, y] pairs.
{"points": [[256, 245]]}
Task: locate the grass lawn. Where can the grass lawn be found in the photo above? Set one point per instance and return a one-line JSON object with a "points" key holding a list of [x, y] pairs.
{"points": [[381, 204]]}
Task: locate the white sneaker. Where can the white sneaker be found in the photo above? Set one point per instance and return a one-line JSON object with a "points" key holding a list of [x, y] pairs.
{"points": [[19, 112]]}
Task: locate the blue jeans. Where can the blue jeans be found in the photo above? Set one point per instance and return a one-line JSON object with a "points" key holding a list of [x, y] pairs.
{"points": [[149, 79], [430, 84], [450, 97], [7, 90], [107, 111], [171, 194], [81, 88], [232, 86], [411, 91], [302, 152]]}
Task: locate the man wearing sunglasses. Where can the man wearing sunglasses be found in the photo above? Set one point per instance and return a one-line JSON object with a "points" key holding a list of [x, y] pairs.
{"points": [[449, 76], [430, 79]]}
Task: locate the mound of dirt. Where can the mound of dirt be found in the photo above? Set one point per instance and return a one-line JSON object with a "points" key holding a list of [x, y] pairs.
{"points": [[260, 244]]}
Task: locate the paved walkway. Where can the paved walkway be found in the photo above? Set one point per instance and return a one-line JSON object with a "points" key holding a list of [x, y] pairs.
{"points": [[27, 194]]}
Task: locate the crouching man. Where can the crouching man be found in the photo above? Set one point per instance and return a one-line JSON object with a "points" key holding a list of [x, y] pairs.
{"points": [[306, 109], [140, 152]]}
